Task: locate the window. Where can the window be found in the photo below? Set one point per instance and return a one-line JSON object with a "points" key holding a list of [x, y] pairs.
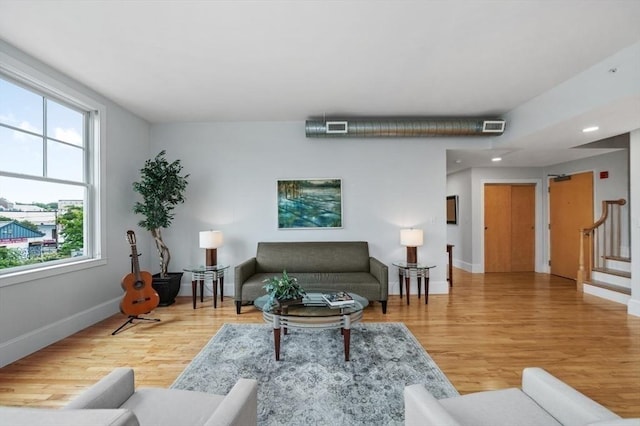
{"points": [[49, 197]]}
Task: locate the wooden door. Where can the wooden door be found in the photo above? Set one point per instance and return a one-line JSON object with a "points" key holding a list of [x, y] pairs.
{"points": [[497, 228], [509, 237], [523, 228], [570, 209]]}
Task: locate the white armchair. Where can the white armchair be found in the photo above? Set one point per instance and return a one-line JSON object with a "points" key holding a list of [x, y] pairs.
{"points": [[543, 400], [114, 401]]}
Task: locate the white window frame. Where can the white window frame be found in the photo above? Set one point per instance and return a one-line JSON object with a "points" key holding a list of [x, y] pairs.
{"points": [[95, 227]]}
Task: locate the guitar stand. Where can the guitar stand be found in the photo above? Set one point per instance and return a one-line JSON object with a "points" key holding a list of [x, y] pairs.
{"points": [[130, 321]]}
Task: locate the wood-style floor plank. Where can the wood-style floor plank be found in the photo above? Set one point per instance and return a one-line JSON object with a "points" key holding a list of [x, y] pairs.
{"points": [[481, 335]]}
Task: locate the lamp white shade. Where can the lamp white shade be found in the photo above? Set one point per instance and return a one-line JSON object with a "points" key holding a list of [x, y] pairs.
{"points": [[211, 239], [411, 237]]}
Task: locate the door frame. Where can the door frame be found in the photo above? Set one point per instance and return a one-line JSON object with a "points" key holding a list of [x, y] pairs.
{"points": [[539, 262]]}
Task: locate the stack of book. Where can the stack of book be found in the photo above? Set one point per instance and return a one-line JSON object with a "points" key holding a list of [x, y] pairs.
{"points": [[339, 299]]}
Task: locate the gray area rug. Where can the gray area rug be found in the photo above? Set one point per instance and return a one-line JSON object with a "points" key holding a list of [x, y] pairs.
{"points": [[312, 384]]}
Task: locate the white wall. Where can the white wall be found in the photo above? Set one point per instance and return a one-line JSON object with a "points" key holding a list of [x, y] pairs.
{"points": [[387, 184], [39, 312], [460, 234]]}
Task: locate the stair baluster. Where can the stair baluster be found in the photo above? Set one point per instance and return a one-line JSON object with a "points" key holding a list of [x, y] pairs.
{"points": [[599, 243]]}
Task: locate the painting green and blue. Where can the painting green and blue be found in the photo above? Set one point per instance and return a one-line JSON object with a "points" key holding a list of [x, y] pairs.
{"points": [[309, 203]]}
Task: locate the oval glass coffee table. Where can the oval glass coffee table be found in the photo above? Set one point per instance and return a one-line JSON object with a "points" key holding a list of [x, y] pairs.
{"points": [[311, 312]]}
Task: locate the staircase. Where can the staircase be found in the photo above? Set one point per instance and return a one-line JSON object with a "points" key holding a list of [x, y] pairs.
{"points": [[612, 281], [603, 272]]}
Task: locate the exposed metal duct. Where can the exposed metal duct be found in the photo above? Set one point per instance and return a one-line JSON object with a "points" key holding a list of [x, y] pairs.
{"points": [[403, 128]]}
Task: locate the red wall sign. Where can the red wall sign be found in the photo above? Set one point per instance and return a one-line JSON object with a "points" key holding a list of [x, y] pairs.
{"points": [[12, 240]]}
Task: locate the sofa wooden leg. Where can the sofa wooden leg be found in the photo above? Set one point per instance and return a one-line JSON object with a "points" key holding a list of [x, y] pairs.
{"points": [[384, 306], [238, 306]]}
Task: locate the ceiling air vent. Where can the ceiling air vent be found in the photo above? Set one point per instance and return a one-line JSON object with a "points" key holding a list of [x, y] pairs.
{"points": [[493, 126], [337, 127]]}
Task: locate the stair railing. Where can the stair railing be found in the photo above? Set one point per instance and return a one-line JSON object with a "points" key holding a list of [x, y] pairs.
{"points": [[600, 240]]}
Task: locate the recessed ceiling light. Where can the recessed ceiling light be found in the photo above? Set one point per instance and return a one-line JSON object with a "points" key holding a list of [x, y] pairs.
{"points": [[496, 159], [458, 161], [590, 129]]}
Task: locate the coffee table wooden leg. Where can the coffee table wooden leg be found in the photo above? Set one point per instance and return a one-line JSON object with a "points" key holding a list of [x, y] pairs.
{"points": [[346, 333], [276, 335], [276, 341], [347, 343], [400, 281], [419, 286]]}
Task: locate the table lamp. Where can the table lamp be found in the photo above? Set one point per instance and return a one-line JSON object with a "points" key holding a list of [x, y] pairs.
{"points": [[411, 238], [211, 240]]}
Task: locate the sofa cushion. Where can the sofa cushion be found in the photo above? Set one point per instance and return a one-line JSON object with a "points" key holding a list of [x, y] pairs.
{"points": [[325, 256], [506, 407], [172, 406], [361, 283]]}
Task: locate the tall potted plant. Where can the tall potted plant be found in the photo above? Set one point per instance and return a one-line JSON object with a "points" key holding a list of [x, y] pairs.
{"points": [[162, 188]]}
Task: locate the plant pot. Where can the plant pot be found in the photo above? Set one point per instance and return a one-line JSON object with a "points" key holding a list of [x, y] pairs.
{"points": [[167, 287], [283, 305], [288, 302]]}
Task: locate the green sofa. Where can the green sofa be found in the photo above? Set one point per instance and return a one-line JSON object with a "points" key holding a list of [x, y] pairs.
{"points": [[318, 265]]}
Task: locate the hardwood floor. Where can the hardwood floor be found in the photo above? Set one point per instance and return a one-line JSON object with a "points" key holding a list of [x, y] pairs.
{"points": [[481, 335]]}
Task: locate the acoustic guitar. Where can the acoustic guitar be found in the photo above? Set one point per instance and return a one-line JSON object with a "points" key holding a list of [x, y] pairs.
{"points": [[140, 297]]}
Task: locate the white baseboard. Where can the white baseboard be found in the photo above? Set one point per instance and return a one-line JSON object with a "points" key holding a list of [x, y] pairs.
{"points": [[438, 287], [185, 290], [633, 307], [21, 346], [435, 287], [466, 266], [477, 268]]}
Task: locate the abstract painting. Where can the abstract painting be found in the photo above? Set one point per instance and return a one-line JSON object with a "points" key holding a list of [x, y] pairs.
{"points": [[309, 203]]}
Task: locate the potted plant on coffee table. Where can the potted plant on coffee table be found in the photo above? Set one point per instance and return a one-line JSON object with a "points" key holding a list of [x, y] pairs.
{"points": [[162, 188], [283, 290]]}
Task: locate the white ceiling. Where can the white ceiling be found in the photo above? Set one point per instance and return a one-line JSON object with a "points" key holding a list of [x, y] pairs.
{"points": [[176, 61]]}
